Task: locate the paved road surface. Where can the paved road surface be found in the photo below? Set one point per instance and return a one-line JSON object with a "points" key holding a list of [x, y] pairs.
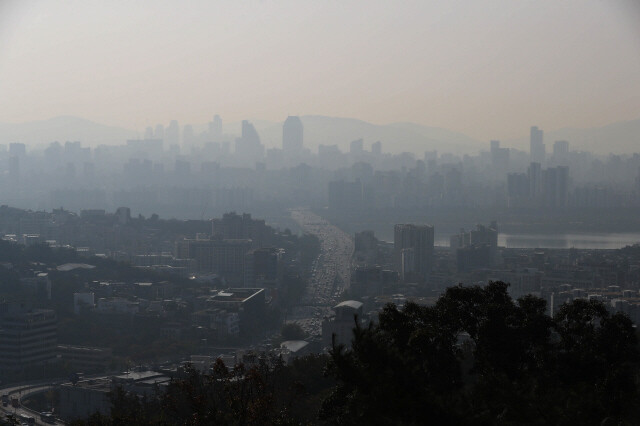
{"points": [[20, 391], [331, 272]]}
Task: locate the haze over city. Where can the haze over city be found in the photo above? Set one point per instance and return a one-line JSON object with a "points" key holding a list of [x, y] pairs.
{"points": [[486, 69], [320, 213]]}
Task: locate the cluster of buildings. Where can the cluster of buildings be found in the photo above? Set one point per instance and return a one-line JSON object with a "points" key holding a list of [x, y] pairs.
{"points": [[558, 275], [29, 335], [237, 250], [186, 313], [561, 181], [175, 172]]}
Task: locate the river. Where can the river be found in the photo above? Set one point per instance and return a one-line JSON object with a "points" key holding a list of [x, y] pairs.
{"points": [[560, 241]]}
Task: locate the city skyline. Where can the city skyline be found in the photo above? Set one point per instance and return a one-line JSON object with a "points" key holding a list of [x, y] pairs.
{"points": [[553, 65]]}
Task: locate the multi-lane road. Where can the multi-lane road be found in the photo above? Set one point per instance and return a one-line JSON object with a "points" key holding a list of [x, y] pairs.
{"points": [[20, 391], [331, 272]]}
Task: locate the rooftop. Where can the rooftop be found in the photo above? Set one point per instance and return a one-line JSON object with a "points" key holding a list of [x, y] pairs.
{"points": [[353, 304], [236, 294], [71, 266], [294, 345]]}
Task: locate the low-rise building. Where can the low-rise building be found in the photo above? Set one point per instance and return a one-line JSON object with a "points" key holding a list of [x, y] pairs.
{"points": [[341, 325], [85, 358]]}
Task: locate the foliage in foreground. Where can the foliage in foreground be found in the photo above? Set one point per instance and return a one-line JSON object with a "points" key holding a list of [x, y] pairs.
{"points": [[517, 366]]}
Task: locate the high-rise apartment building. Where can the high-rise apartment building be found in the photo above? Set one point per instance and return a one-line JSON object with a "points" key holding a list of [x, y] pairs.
{"points": [[413, 250], [536, 145]]}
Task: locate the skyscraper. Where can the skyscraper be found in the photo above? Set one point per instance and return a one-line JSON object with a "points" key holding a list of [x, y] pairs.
{"points": [[292, 135], [536, 145], [413, 249], [248, 146]]}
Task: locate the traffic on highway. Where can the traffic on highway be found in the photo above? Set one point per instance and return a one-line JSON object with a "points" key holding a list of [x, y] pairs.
{"points": [[331, 272]]}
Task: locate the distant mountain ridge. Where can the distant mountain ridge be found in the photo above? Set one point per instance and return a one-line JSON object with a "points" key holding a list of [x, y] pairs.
{"points": [[396, 137], [617, 137], [62, 129]]}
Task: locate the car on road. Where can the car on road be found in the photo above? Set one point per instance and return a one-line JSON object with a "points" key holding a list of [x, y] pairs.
{"points": [[47, 417], [26, 419]]}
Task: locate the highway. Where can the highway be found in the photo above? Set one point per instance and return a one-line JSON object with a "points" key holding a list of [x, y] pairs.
{"points": [[331, 272], [21, 391]]}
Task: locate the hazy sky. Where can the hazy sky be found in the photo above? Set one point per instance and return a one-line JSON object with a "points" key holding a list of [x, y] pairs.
{"points": [[489, 69]]}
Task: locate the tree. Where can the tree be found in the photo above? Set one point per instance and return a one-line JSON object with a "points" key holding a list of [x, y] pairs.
{"points": [[519, 367]]}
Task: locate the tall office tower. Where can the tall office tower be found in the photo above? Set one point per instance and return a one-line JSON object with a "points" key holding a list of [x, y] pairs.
{"points": [[148, 133], [292, 135], [413, 250], [172, 134], [159, 132], [535, 180], [215, 128], [536, 145], [376, 148], [248, 146]]}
